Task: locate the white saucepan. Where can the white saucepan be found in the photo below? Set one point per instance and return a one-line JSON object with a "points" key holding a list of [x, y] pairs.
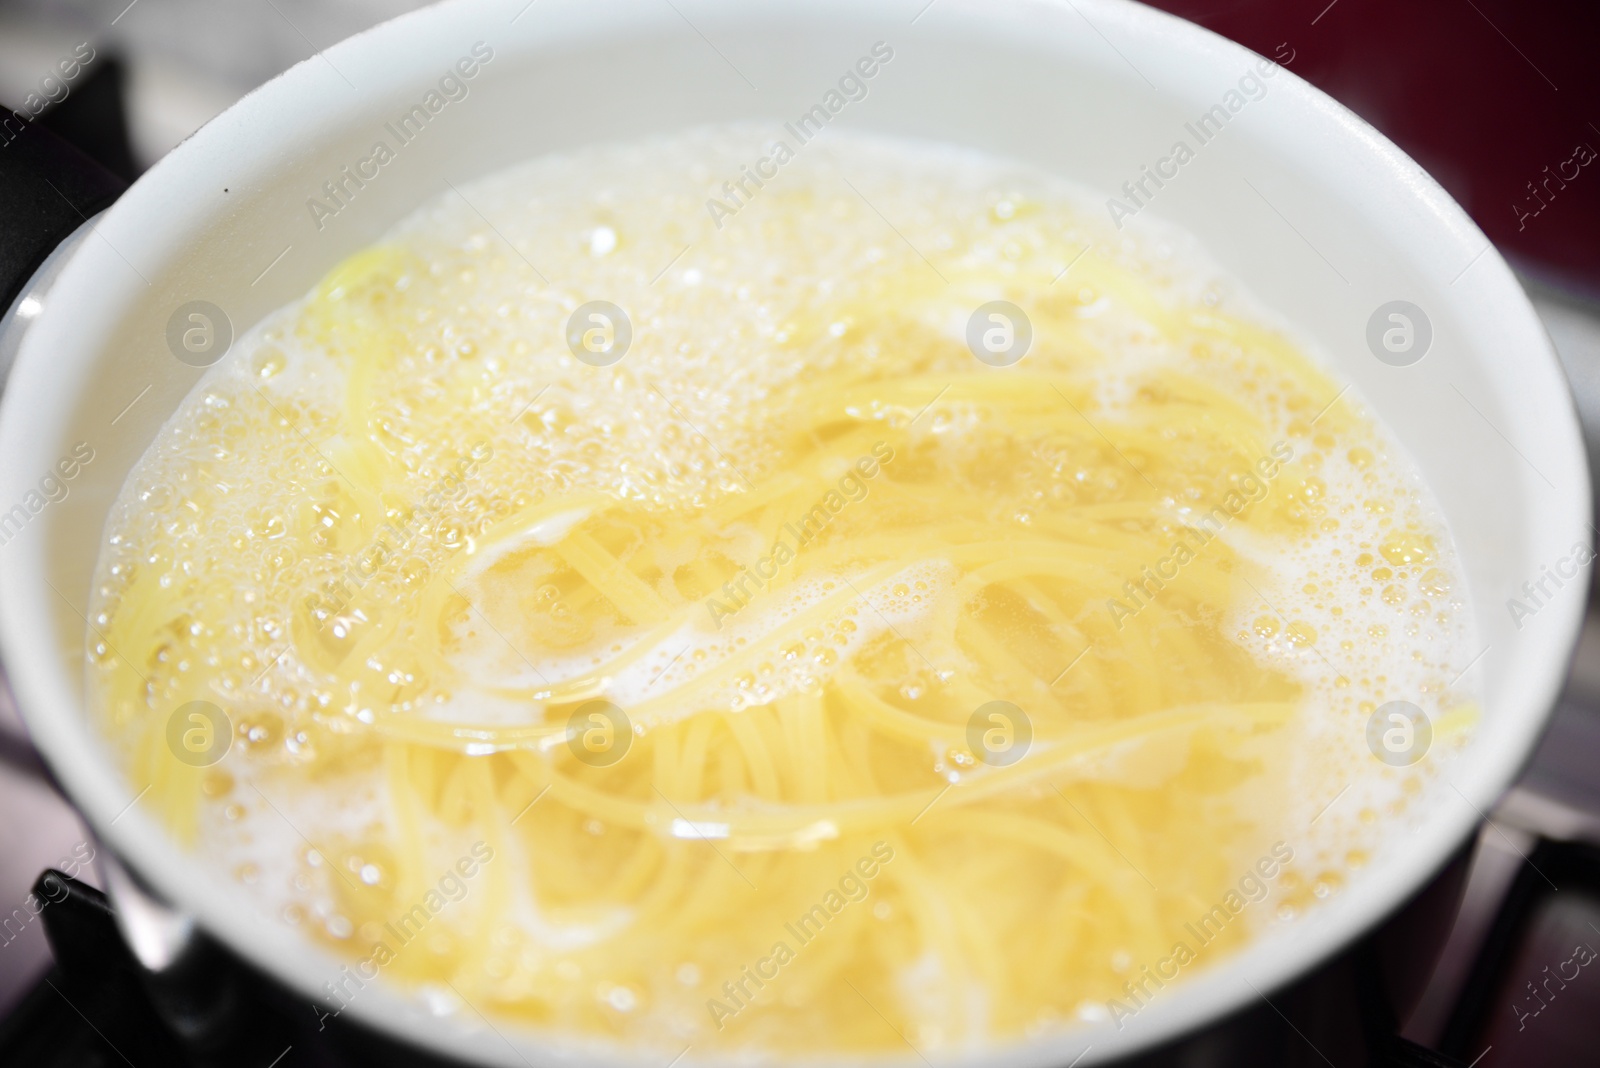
{"points": [[1320, 216]]}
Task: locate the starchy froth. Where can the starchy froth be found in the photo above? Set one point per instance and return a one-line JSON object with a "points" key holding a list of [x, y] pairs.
{"points": [[789, 674]]}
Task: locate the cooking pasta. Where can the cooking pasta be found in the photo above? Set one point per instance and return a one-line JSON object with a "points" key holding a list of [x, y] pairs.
{"points": [[787, 672]]}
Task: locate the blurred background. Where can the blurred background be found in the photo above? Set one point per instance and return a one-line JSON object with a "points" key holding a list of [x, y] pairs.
{"points": [[1499, 100]]}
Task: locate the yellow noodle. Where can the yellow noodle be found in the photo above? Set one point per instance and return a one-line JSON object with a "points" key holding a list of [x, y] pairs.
{"points": [[800, 612]]}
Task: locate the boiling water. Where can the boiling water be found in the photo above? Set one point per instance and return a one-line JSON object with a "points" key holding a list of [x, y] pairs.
{"points": [[636, 675]]}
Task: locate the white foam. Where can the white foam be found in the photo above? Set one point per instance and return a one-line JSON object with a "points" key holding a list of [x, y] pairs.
{"points": [[682, 422]]}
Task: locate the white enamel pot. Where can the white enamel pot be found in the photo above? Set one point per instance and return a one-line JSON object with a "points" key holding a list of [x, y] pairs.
{"points": [[1320, 216]]}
